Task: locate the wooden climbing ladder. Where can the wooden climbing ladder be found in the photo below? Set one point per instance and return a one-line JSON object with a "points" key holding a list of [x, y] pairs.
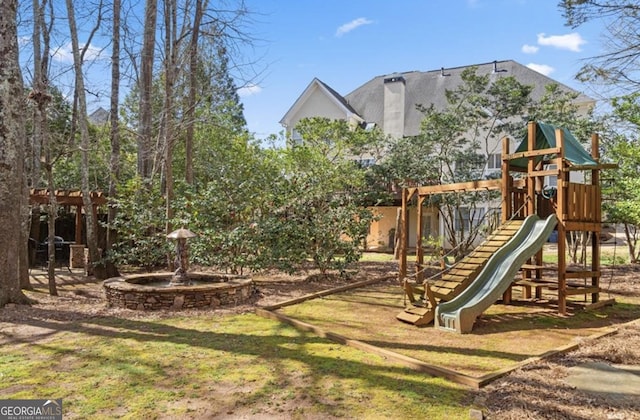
{"points": [[454, 280]]}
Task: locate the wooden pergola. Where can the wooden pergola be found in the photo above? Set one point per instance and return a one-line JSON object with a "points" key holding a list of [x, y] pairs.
{"points": [[39, 196]]}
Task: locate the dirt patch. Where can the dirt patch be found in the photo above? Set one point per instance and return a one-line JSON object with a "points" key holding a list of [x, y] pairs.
{"points": [[538, 390], [541, 390]]}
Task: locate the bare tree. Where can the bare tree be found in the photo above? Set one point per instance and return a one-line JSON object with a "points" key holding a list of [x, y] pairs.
{"points": [[619, 64], [170, 73], [41, 97], [114, 161], [193, 87], [12, 134], [145, 88], [81, 100]]}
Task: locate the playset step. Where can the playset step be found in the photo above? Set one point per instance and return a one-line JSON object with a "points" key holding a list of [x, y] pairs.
{"points": [[416, 316]]}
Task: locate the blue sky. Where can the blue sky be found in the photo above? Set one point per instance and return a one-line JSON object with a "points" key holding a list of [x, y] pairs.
{"points": [[346, 43]]}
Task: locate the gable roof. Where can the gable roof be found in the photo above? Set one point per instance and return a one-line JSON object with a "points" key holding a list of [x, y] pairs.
{"points": [[99, 117], [334, 96], [429, 87]]}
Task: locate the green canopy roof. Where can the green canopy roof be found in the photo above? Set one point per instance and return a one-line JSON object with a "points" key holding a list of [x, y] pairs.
{"points": [[574, 152]]}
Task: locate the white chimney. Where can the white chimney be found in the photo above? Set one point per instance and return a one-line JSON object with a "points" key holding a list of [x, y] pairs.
{"points": [[394, 98]]}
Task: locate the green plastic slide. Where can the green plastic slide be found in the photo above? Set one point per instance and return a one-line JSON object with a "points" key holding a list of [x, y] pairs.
{"points": [[460, 313]]}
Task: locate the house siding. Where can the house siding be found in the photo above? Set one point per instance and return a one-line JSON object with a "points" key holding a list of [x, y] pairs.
{"points": [[390, 102]]}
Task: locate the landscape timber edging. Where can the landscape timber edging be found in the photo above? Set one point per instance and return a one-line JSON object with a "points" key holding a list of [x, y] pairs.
{"points": [[475, 382]]}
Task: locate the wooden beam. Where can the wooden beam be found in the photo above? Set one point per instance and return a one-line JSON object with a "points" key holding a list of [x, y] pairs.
{"points": [[407, 361], [571, 225], [411, 192], [582, 274], [65, 197], [326, 293], [600, 304], [547, 172], [599, 166], [490, 184], [581, 291], [533, 153]]}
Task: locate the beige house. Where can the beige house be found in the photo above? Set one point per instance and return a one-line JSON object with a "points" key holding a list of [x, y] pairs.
{"points": [[389, 102]]}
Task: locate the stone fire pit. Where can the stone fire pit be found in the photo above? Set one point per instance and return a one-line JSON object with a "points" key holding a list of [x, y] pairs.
{"points": [[156, 292]]}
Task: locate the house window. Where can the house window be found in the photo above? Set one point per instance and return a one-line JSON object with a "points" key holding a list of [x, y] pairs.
{"points": [[495, 161], [426, 225], [296, 138], [551, 180], [471, 163], [365, 163], [464, 217]]}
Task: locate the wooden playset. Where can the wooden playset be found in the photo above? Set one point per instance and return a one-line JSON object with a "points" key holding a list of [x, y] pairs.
{"points": [[546, 153]]}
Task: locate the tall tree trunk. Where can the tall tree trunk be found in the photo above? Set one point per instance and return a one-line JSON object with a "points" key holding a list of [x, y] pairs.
{"points": [[193, 86], [89, 208], [52, 211], [41, 97], [170, 63], [12, 134], [146, 88], [114, 162]]}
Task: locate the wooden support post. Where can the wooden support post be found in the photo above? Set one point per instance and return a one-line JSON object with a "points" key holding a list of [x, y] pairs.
{"points": [[506, 183], [419, 250], [404, 224], [78, 236], [531, 163], [595, 236], [507, 296], [398, 232], [562, 215]]}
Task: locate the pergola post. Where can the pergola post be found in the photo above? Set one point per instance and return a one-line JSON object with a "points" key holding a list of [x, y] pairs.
{"points": [[78, 237]]}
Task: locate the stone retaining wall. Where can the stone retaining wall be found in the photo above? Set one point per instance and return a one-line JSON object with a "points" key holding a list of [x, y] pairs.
{"points": [[220, 290]]}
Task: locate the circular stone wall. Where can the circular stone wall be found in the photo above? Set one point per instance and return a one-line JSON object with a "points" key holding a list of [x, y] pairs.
{"points": [[144, 292]]}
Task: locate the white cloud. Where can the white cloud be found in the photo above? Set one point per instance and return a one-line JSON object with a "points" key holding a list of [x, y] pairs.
{"points": [[64, 53], [530, 49], [24, 41], [571, 42], [348, 27], [249, 90], [541, 68]]}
